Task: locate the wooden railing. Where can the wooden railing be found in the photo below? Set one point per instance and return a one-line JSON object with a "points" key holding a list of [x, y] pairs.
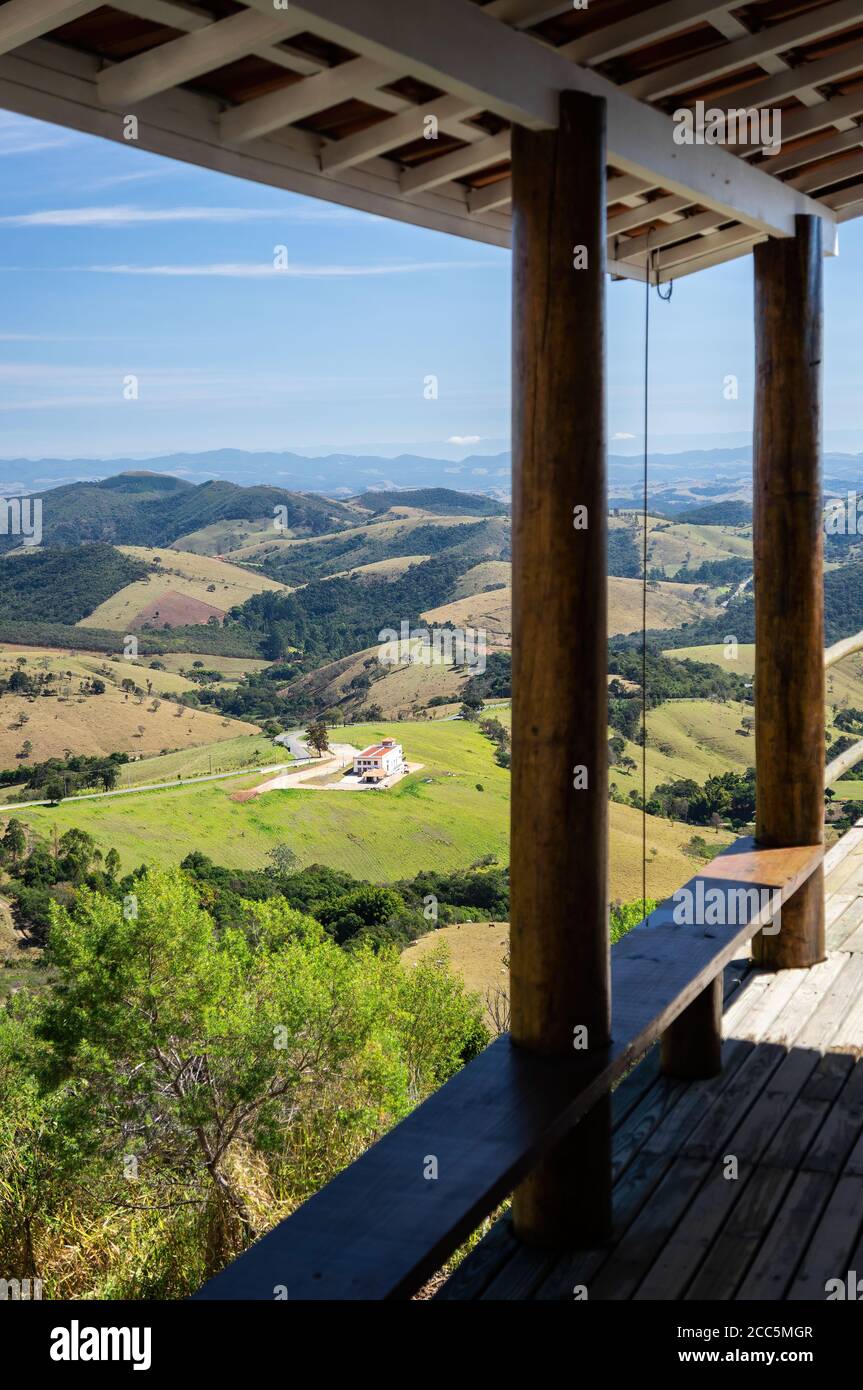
{"points": [[853, 755], [392, 1218]]}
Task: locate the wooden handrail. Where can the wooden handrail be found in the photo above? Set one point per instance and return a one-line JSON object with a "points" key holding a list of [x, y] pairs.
{"points": [[853, 755], [845, 761], [392, 1218], [846, 647]]}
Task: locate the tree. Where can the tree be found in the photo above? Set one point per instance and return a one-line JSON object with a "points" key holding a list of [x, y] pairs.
{"points": [[14, 842], [55, 791], [317, 736], [75, 852], [283, 860], [190, 1047]]}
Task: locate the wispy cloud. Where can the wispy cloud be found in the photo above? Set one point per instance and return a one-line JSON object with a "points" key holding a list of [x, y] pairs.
{"points": [[132, 215], [19, 135], [124, 215], [256, 270], [464, 439]]}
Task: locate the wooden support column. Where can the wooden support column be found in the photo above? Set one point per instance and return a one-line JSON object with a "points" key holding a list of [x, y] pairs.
{"points": [[789, 575], [692, 1044], [559, 839]]}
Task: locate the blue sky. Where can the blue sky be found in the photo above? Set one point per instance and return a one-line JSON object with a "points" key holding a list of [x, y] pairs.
{"points": [[115, 263]]}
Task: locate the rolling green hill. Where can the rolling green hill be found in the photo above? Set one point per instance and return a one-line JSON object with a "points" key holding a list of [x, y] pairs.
{"points": [[153, 509], [443, 501]]}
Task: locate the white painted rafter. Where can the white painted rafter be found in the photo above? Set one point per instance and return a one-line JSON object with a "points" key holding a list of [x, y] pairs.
{"points": [[24, 20], [494, 195], [192, 55], [770, 42], [190, 18], [661, 209], [450, 113], [650, 25], [632, 248], [846, 168], [805, 154], [359, 77], [433, 172]]}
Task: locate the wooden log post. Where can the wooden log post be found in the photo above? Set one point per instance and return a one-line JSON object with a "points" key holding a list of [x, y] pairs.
{"points": [[559, 839], [789, 575]]}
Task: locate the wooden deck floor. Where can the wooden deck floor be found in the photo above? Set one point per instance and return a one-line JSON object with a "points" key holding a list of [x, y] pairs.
{"points": [[788, 1107]]}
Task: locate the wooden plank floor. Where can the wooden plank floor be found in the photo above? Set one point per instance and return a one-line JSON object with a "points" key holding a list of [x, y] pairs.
{"points": [[747, 1186]]}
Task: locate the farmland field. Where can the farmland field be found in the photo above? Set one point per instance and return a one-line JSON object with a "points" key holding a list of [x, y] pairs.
{"points": [[199, 579]]}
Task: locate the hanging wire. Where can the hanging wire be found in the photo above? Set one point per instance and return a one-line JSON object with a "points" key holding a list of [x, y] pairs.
{"points": [[644, 593], [650, 270]]}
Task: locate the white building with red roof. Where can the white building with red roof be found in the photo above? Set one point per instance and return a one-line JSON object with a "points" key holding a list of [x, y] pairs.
{"points": [[379, 761]]}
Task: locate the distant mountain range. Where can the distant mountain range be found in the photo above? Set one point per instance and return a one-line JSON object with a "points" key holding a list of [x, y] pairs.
{"points": [[676, 481]]}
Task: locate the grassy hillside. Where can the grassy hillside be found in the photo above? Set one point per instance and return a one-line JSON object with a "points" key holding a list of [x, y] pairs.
{"points": [[676, 545], [668, 605], [690, 738], [108, 723], [491, 611], [213, 582], [435, 818], [247, 750]]}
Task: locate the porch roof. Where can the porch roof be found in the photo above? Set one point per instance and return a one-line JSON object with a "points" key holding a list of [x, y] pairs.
{"points": [[328, 98]]}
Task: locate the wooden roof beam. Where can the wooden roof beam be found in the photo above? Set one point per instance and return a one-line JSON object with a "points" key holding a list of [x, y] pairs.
{"points": [[495, 195], [661, 209], [690, 72], [203, 50], [433, 172], [805, 154], [648, 26], [23, 20], [189, 19], [356, 78], [772, 90], [826, 174], [453, 45], [633, 248], [450, 113]]}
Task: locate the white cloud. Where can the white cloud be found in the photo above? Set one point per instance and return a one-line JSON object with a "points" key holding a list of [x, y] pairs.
{"points": [[621, 434], [453, 470], [257, 270], [19, 135], [129, 216], [464, 439], [479, 472]]}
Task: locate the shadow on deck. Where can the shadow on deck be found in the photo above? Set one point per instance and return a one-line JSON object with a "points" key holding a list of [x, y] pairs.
{"points": [[749, 1185]]}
